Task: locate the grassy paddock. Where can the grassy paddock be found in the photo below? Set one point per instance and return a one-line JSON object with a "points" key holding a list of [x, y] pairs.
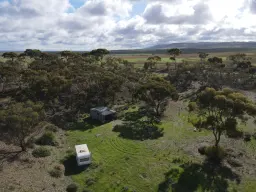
{"points": [[120, 164], [141, 58], [148, 166]]}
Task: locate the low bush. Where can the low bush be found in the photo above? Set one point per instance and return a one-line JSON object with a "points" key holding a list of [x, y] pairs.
{"points": [[57, 171], [52, 128], [48, 138], [41, 152], [72, 188], [31, 142], [192, 106], [247, 137], [215, 154], [90, 181], [202, 149]]}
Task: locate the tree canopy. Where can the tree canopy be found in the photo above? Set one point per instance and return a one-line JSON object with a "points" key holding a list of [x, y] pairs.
{"points": [[19, 121], [174, 53], [10, 55], [220, 111], [155, 92], [33, 53], [151, 62], [99, 53]]}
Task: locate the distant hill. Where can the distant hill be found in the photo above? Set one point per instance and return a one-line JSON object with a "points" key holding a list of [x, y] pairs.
{"points": [[207, 45], [186, 47]]}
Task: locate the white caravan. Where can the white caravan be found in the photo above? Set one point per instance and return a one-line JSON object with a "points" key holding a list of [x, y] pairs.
{"points": [[83, 155]]}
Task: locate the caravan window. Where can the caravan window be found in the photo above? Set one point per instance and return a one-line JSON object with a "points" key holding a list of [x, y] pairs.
{"points": [[84, 159]]}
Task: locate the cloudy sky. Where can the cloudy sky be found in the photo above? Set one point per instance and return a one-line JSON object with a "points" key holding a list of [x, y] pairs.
{"points": [[120, 24]]}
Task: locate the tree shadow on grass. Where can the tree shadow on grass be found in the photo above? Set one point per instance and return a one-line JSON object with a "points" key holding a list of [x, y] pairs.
{"points": [[138, 130], [191, 177], [71, 167], [133, 116], [139, 125], [84, 125]]}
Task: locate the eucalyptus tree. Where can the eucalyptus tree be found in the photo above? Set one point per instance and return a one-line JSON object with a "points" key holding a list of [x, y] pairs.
{"points": [[220, 111], [174, 53]]}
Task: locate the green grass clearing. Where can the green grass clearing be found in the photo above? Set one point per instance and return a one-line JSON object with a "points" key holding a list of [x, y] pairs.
{"points": [[143, 166], [136, 165]]}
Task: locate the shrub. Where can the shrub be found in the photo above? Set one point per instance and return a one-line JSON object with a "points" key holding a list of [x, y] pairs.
{"points": [[51, 128], [31, 142], [215, 154], [57, 171], [202, 149], [192, 106], [90, 181], [177, 160], [48, 138], [247, 137], [72, 188], [41, 152]]}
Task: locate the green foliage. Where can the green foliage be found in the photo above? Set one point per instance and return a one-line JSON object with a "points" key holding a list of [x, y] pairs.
{"points": [[33, 53], [240, 60], [31, 142], [56, 172], [174, 53], [112, 63], [20, 120], [10, 55], [41, 152], [48, 138], [151, 62], [67, 54], [51, 128], [192, 106], [220, 111], [43, 85], [155, 92], [203, 55], [215, 60], [99, 53], [72, 188]]}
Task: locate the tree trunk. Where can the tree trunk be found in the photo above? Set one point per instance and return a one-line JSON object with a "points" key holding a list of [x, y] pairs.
{"points": [[157, 109], [217, 138]]}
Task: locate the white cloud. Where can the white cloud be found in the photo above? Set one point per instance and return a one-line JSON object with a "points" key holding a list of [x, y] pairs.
{"points": [[50, 24]]}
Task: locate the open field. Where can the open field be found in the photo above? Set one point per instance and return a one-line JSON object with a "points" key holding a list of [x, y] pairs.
{"points": [[121, 164], [140, 59]]}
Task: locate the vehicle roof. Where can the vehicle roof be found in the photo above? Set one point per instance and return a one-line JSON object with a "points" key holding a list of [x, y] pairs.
{"points": [[82, 150]]}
